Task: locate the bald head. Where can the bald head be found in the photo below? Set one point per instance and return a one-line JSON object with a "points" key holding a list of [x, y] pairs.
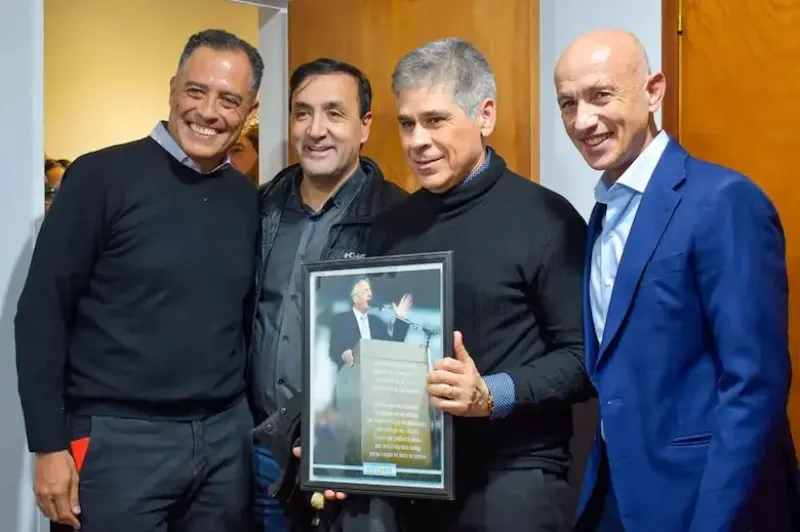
{"points": [[614, 49], [607, 96]]}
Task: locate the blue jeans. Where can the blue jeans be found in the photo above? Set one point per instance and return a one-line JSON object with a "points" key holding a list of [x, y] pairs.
{"points": [[268, 510]]}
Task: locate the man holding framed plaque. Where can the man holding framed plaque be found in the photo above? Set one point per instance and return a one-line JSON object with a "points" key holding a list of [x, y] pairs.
{"points": [[517, 364], [318, 209]]}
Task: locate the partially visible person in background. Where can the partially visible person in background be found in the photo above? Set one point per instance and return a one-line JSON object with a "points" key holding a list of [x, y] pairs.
{"points": [[244, 153], [54, 171]]}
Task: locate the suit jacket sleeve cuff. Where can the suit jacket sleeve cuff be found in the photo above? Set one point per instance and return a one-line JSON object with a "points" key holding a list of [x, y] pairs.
{"points": [[501, 386]]}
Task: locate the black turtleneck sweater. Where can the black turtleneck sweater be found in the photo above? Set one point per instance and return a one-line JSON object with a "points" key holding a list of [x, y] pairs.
{"points": [[518, 252]]}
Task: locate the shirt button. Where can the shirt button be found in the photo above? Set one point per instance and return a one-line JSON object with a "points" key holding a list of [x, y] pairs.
{"points": [[283, 410], [294, 297], [608, 282], [280, 381], [285, 338]]}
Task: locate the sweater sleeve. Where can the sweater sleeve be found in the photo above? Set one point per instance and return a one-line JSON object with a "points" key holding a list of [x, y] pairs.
{"points": [[70, 238], [558, 375]]}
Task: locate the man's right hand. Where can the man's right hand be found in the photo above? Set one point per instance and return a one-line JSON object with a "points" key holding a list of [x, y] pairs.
{"points": [[349, 358], [56, 487], [329, 494]]}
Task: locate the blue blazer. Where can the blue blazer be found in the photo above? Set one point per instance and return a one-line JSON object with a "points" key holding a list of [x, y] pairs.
{"points": [[693, 370]]}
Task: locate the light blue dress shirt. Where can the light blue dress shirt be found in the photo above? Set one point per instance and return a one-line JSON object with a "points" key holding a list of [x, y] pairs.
{"points": [[622, 201], [163, 137]]}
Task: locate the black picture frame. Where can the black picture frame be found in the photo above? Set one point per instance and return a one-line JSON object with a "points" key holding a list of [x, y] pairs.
{"points": [[374, 408]]}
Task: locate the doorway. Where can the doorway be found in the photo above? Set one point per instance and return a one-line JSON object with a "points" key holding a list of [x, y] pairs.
{"points": [[734, 76]]}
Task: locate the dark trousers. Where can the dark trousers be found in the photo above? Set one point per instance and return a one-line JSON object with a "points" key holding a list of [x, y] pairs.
{"points": [[601, 513], [166, 476], [518, 500]]}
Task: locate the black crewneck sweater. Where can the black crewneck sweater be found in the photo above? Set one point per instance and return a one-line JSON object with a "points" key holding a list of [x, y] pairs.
{"points": [[518, 253], [135, 299]]}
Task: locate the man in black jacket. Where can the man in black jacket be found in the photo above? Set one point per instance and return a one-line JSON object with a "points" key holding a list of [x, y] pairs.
{"points": [[319, 209], [517, 365]]}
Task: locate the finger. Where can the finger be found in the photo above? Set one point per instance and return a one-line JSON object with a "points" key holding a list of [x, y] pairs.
{"points": [[73, 495], [459, 351], [438, 376], [443, 391], [297, 451], [65, 515], [47, 506], [450, 365], [447, 405], [330, 495]]}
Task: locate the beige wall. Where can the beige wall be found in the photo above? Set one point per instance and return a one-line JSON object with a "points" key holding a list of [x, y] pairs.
{"points": [[108, 64]]}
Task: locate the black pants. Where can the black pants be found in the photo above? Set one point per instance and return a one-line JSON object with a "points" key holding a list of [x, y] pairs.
{"points": [[167, 476], [518, 500]]}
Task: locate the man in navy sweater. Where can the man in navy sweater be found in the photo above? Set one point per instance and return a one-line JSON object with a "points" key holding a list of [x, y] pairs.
{"points": [[130, 339]]}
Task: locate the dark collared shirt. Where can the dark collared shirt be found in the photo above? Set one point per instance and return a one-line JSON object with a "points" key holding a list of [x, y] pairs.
{"points": [[301, 237]]}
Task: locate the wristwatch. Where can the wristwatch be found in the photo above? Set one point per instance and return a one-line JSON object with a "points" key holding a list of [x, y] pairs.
{"points": [[489, 401]]}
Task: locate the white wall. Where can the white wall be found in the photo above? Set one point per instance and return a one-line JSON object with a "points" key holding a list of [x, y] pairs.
{"points": [[561, 167], [21, 211], [273, 97]]}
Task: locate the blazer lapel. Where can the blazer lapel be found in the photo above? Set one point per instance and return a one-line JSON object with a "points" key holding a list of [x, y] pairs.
{"points": [[589, 335], [655, 211]]}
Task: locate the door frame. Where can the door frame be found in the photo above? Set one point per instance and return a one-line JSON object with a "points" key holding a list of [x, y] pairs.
{"points": [[671, 30]]}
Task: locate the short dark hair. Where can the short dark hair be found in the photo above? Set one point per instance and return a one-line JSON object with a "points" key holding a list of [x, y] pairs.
{"points": [[222, 40], [326, 65], [49, 164]]}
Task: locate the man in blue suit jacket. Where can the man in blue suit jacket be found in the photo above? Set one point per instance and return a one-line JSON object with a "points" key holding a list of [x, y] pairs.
{"points": [[685, 317]]}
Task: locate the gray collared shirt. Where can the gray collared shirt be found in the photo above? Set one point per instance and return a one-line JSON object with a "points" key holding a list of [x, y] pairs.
{"points": [[301, 237], [162, 135]]}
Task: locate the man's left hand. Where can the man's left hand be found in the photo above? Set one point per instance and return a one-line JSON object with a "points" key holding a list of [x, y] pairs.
{"points": [[455, 386]]}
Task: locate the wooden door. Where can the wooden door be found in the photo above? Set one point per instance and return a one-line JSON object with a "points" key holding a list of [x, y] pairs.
{"points": [[374, 34], [734, 66]]}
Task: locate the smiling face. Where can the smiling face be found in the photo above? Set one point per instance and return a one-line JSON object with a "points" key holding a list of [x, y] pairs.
{"points": [[326, 129], [442, 144], [607, 99], [210, 101]]}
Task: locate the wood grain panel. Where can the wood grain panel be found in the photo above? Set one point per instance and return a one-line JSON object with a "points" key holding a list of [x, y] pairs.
{"points": [[374, 34], [740, 80]]}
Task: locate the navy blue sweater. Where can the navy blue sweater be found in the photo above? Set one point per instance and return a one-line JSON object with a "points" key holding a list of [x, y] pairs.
{"points": [[134, 303]]}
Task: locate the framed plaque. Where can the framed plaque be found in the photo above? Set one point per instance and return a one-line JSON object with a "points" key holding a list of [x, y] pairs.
{"points": [[373, 328]]}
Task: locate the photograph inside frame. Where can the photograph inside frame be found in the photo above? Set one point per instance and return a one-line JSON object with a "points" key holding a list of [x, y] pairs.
{"points": [[373, 335]]}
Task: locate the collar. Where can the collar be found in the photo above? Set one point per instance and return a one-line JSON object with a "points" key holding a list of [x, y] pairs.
{"points": [[162, 135], [479, 170], [341, 199], [460, 197], [638, 174], [358, 314]]}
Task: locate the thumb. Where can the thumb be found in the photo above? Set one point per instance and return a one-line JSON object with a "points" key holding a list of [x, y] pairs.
{"points": [[74, 503], [459, 351]]}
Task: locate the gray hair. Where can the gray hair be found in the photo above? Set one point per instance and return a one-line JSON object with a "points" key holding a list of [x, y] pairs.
{"points": [[452, 62], [356, 283]]}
